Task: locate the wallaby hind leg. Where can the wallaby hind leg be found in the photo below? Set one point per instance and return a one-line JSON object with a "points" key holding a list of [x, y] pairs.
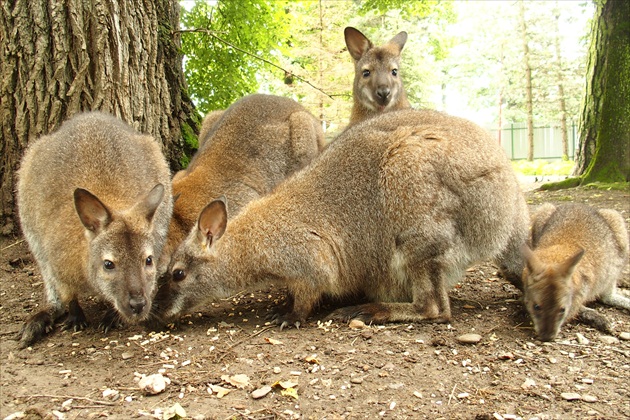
{"points": [[430, 299], [595, 319]]}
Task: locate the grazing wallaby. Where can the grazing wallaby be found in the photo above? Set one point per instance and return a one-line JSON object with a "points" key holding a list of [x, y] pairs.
{"points": [[259, 141], [377, 85], [94, 201], [578, 255], [397, 208]]}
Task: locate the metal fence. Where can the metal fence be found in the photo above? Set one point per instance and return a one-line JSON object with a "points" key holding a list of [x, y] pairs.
{"points": [[547, 141]]}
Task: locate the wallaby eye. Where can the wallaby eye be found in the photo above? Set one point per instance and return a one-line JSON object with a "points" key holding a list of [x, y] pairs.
{"points": [[108, 265], [179, 274], [366, 73], [537, 307], [149, 261], [561, 310], [394, 72]]}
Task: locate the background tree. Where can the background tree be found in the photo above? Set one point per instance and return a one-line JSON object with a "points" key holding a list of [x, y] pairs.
{"points": [[604, 153], [60, 58], [529, 101]]}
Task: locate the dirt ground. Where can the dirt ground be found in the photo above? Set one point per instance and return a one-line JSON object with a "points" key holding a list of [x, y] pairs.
{"points": [[324, 370]]}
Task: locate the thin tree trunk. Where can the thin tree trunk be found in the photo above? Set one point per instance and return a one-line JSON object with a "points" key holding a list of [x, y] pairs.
{"points": [[528, 85], [60, 58], [604, 153], [561, 95]]}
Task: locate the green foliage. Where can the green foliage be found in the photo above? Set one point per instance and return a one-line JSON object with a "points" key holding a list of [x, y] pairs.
{"points": [[543, 167], [217, 73]]}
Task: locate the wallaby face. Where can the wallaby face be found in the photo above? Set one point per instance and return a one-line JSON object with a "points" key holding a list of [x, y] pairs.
{"points": [[548, 295], [94, 200], [578, 254], [121, 259], [396, 208], [377, 85]]}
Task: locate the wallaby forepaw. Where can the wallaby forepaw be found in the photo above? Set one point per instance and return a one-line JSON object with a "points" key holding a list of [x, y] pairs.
{"points": [[287, 321], [74, 323], [34, 329], [110, 321]]}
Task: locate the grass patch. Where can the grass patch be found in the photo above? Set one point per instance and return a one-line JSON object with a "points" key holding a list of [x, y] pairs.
{"points": [[543, 167]]}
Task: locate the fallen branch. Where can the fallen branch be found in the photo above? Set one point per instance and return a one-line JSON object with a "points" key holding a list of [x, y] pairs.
{"points": [[16, 243], [68, 397]]}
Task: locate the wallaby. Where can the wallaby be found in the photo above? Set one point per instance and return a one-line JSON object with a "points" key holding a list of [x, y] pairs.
{"points": [[258, 142], [396, 208], [578, 255], [377, 85], [94, 200]]}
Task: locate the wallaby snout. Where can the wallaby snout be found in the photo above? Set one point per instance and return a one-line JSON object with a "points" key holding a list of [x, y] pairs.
{"points": [[95, 201]]}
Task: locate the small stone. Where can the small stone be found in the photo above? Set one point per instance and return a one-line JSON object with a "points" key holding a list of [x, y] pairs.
{"points": [[587, 381], [529, 382], [624, 336], [276, 369], [356, 324], [153, 384], [417, 394], [608, 339], [506, 356], [589, 398], [469, 338], [581, 339], [463, 395], [261, 392], [571, 396], [126, 356], [356, 380]]}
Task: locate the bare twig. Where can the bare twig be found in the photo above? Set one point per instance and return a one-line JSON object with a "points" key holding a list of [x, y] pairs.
{"points": [[450, 397], [243, 340], [218, 38], [68, 397], [20, 241]]}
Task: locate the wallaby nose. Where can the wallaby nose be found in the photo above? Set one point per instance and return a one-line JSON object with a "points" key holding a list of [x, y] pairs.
{"points": [[137, 304], [383, 93]]}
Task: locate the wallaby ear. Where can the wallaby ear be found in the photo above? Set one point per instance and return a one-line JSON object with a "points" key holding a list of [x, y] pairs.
{"points": [[531, 261], [176, 197], [94, 215], [150, 203], [399, 40], [212, 222], [566, 267], [357, 43]]}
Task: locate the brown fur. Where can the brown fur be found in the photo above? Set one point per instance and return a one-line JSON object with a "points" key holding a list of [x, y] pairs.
{"points": [[377, 84], [396, 208], [578, 255], [92, 192], [258, 142]]}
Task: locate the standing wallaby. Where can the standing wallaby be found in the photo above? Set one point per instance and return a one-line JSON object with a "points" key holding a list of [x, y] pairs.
{"points": [[578, 255], [377, 85], [397, 208], [258, 142], [94, 201]]}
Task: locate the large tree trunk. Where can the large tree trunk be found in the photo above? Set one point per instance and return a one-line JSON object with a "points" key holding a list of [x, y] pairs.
{"points": [[60, 58], [604, 153], [528, 85]]}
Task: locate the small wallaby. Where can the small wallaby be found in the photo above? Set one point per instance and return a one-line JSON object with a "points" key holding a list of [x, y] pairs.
{"points": [[94, 200], [258, 142], [578, 255], [377, 85], [397, 208]]}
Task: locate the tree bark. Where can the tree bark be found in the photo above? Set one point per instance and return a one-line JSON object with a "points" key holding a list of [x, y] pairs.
{"points": [[604, 152], [61, 58], [528, 85]]}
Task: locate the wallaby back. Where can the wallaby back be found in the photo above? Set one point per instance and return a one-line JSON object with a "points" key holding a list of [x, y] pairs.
{"points": [[377, 85], [94, 200], [578, 255], [258, 142], [397, 207]]}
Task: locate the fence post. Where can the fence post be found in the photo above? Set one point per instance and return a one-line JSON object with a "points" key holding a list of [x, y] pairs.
{"points": [[512, 140]]}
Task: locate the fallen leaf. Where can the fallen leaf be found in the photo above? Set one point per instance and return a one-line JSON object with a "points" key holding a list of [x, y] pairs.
{"points": [[312, 359], [290, 392], [284, 384], [273, 341], [175, 412], [239, 381], [219, 390]]}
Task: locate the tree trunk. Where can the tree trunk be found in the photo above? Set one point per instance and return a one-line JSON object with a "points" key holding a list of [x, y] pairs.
{"points": [[61, 58], [561, 95], [528, 86], [604, 152]]}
